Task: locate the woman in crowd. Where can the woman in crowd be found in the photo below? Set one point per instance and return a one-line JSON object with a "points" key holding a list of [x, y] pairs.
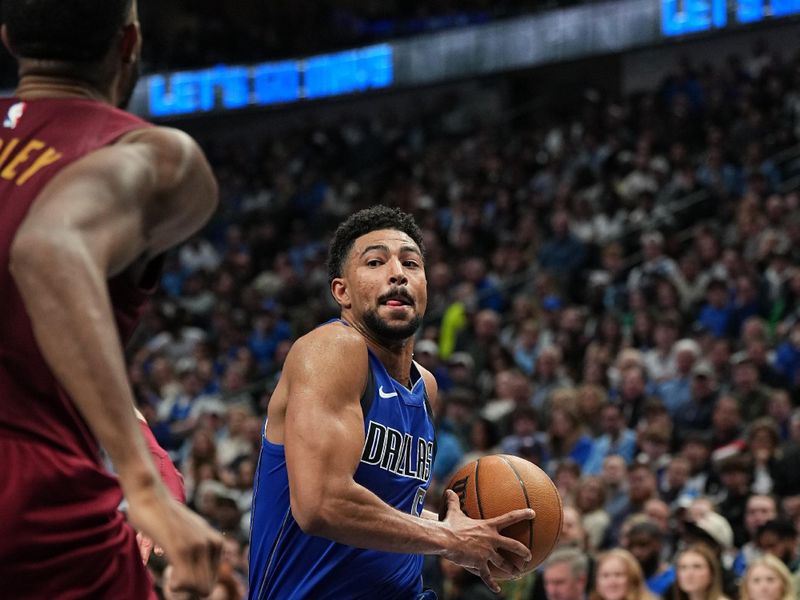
{"points": [[590, 500], [767, 578], [619, 577], [699, 575]]}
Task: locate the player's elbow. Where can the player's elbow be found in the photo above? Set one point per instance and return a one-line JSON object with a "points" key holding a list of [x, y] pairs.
{"points": [[33, 253], [309, 516], [313, 515]]}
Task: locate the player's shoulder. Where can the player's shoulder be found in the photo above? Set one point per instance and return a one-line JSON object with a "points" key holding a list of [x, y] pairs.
{"points": [[167, 141], [431, 387], [332, 342]]}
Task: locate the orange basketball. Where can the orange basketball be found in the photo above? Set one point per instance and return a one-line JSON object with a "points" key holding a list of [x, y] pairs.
{"points": [[494, 485]]}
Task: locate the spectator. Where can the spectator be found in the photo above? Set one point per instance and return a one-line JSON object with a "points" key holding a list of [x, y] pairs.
{"points": [[566, 574], [699, 575], [767, 578], [616, 440], [644, 541], [760, 509], [618, 575]]}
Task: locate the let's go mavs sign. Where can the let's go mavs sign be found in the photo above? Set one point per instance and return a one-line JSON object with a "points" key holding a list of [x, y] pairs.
{"points": [[680, 17]]}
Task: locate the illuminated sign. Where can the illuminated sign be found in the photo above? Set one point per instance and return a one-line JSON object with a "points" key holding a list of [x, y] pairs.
{"points": [[693, 16], [229, 88]]}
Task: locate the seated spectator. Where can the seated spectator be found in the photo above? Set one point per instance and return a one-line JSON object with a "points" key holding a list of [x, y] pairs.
{"points": [[590, 499], [616, 440], [618, 575], [566, 574], [660, 360], [644, 541], [752, 395], [695, 413], [760, 509], [767, 578], [779, 538], [566, 438], [699, 574], [716, 314]]}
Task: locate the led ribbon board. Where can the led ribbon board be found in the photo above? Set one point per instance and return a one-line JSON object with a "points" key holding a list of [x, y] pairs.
{"points": [[694, 16], [224, 88]]}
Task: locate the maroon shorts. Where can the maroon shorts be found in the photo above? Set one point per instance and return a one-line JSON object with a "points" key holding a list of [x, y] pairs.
{"points": [[61, 535]]}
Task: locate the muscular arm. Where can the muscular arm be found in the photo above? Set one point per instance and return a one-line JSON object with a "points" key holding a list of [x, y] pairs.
{"points": [[324, 437], [95, 219]]}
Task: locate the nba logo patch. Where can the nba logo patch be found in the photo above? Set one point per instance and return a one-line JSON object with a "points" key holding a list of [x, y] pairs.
{"points": [[14, 115]]}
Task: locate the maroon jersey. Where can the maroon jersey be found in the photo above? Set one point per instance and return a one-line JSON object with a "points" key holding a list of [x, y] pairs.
{"points": [[61, 534]]}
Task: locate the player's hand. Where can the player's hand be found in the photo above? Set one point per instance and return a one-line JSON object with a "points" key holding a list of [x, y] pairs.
{"points": [[192, 547], [478, 543], [147, 547]]}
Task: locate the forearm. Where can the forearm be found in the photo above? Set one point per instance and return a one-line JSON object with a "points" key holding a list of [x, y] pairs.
{"points": [[67, 300], [355, 516]]}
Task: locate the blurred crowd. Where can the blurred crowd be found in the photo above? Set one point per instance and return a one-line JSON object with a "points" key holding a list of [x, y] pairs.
{"points": [[612, 295]]}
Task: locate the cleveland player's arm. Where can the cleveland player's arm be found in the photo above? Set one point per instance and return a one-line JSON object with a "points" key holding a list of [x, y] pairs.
{"points": [[92, 221], [323, 438]]}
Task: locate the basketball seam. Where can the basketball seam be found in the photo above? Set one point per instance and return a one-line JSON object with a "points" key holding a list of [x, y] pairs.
{"points": [[477, 489], [527, 499]]}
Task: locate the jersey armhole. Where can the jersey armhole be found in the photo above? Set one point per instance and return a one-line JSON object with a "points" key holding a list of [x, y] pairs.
{"points": [[369, 392]]}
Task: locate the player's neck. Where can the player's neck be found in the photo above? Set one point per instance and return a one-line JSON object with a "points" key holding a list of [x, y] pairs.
{"points": [[396, 356], [34, 87], [397, 363], [61, 79]]}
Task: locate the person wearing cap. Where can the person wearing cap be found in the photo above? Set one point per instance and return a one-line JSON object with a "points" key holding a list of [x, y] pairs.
{"points": [[426, 353], [696, 413]]}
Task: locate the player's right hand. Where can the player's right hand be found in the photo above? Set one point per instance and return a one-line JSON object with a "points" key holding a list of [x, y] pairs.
{"points": [[191, 546], [478, 543]]}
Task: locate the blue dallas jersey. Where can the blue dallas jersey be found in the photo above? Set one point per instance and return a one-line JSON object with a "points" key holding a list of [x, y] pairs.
{"points": [[396, 465]]}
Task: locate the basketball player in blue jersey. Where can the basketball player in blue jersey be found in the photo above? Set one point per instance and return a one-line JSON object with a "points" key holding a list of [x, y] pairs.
{"points": [[349, 442]]}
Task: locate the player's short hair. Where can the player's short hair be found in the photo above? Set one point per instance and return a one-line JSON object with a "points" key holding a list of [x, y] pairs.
{"points": [[74, 31], [363, 222]]}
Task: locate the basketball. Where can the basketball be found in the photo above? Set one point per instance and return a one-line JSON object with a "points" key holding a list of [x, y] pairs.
{"points": [[496, 484]]}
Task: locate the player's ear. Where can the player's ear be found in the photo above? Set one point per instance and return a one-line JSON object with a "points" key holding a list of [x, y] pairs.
{"points": [[340, 292], [6, 41], [130, 43]]}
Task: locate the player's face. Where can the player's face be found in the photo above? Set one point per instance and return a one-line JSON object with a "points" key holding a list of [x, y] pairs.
{"points": [[385, 284]]}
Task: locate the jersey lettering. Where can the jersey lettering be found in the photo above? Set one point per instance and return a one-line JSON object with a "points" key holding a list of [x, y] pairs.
{"points": [[19, 165], [397, 453]]}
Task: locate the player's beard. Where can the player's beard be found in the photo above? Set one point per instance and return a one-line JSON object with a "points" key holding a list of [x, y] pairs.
{"points": [[383, 331], [131, 78]]}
